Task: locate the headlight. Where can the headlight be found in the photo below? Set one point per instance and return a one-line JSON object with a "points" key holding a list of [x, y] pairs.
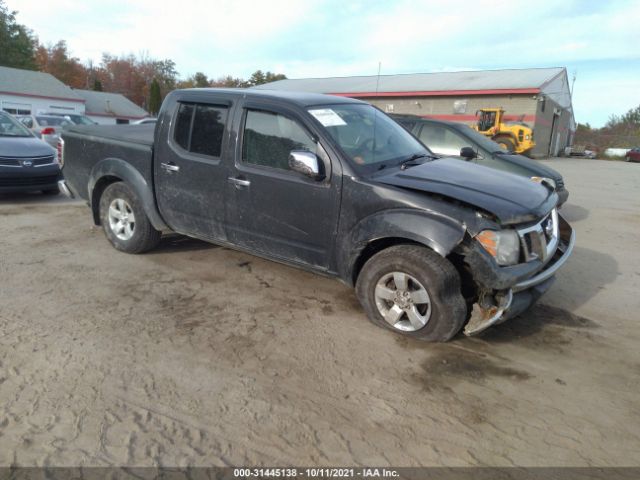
{"points": [[503, 245], [549, 181]]}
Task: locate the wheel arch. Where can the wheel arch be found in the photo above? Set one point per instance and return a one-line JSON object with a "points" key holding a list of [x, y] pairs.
{"points": [[111, 170], [386, 229]]}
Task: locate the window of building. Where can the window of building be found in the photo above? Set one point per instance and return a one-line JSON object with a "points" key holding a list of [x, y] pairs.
{"points": [[200, 128], [17, 111], [270, 137]]}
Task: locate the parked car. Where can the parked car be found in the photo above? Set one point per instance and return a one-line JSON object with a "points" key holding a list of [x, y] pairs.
{"points": [[145, 121], [75, 118], [46, 127], [633, 155], [26, 162], [450, 138], [331, 185]]}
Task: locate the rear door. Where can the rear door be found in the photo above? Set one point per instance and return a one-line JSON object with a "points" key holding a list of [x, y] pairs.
{"points": [[271, 209], [190, 177]]}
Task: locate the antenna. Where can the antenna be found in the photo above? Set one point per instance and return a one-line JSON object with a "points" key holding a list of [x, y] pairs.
{"points": [[378, 77]]}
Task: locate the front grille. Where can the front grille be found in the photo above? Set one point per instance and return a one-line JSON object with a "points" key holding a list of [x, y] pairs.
{"points": [[19, 161], [39, 162], [540, 241], [9, 162], [28, 181]]}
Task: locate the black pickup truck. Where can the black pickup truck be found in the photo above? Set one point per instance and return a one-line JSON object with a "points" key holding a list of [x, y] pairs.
{"points": [[332, 185]]}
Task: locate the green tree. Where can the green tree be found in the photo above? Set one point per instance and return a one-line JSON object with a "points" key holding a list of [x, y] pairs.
{"points": [[259, 78], [155, 97], [228, 82], [17, 43], [200, 80]]}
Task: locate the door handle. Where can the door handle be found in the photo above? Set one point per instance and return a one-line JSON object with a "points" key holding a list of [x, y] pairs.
{"points": [[239, 182], [170, 167]]}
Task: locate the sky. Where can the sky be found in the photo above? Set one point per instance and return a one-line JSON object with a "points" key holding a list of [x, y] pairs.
{"points": [[597, 41]]}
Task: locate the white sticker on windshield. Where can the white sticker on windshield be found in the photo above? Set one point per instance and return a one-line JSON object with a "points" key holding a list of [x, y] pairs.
{"points": [[327, 117]]}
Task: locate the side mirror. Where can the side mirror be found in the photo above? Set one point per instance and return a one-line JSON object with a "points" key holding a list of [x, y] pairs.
{"points": [[306, 163], [468, 153]]}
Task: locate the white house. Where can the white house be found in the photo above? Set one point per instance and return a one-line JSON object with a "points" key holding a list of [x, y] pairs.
{"points": [[110, 108], [25, 92]]}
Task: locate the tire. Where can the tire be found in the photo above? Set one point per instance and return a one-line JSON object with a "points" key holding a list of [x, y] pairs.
{"points": [[124, 221], [506, 142], [446, 310], [51, 191]]}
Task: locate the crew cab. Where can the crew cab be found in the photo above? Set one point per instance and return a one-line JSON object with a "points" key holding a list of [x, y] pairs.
{"points": [[331, 185]]}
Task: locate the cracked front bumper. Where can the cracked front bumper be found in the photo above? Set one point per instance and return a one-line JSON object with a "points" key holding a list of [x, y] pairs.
{"points": [[515, 289]]}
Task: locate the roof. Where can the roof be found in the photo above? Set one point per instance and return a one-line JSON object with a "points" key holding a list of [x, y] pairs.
{"points": [[530, 80], [104, 104], [302, 99], [28, 83]]}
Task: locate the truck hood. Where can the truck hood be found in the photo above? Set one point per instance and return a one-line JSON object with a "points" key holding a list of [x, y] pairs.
{"points": [[511, 198], [19, 147]]}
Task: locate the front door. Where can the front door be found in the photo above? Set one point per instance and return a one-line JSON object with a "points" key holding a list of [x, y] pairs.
{"points": [[189, 174], [271, 209]]}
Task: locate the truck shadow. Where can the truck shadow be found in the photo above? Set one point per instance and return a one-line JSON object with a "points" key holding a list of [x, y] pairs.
{"points": [[174, 242], [574, 213], [31, 198]]}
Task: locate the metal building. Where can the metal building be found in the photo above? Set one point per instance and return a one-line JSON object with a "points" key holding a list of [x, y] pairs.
{"points": [[540, 97]]}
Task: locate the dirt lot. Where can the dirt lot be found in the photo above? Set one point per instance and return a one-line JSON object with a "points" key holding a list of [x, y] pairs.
{"points": [[200, 355]]}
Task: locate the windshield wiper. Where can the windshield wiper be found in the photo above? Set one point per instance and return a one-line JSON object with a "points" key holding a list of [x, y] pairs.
{"points": [[411, 161]]}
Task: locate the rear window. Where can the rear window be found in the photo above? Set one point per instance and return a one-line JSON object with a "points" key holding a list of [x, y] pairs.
{"points": [[200, 128]]}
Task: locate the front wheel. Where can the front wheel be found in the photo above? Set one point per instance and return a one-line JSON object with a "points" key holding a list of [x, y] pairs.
{"points": [[413, 291], [506, 142], [125, 222]]}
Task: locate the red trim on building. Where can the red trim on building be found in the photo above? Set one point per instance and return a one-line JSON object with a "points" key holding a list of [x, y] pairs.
{"points": [[108, 115], [441, 93], [43, 96], [473, 118]]}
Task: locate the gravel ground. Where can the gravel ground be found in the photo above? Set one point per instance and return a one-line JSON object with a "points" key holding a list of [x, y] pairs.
{"points": [[199, 355]]}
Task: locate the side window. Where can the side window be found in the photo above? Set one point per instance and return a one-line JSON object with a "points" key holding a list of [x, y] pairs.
{"points": [[269, 137], [27, 122], [183, 125], [208, 127], [199, 128], [442, 140]]}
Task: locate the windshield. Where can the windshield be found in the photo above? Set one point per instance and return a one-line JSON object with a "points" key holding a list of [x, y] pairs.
{"points": [[10, 127], [482, 141], [368, 136], [53, 121], [81, 120]]}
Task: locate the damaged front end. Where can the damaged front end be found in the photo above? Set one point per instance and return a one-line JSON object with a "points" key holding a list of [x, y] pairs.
{"points": [[502, 292]]}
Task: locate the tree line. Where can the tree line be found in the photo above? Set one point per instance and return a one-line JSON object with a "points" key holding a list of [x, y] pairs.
{"points": [[620, 131], [142, 79]]}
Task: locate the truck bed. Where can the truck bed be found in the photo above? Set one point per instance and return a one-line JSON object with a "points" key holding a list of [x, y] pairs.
{"points": [[120, 145], [140, 134]]}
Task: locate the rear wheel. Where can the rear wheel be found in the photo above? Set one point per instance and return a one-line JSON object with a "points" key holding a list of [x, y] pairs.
{"points": [[413, 291], [124, 221], [506, 142]]}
